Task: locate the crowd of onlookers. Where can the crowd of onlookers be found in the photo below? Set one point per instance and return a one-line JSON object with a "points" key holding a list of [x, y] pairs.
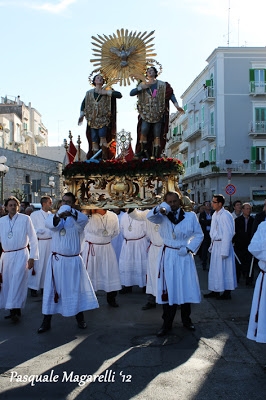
{"points": [[246, 224]]}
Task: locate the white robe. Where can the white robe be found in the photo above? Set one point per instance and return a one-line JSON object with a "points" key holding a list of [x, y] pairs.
{"points": [[44, 236], [133, 256], [98, 254], [155, 246], [117, 241], [177, 273], [13, 264], [257, 326], [222, 272], [65, 272]]}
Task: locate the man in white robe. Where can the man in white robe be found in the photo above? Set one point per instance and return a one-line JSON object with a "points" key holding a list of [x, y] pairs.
{"points": [[133, 256], [154, 248], [117, 241], [16, 234], [177, 278], [222, 272], [98, 254], [257, 320], [67, 287], [38, 218]]}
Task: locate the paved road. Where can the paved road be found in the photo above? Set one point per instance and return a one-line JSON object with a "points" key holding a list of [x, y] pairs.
{"points": [[120, 351]]}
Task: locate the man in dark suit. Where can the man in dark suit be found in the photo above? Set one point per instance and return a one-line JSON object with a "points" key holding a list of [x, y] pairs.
{"points": [[241, 240], [205, 219]]}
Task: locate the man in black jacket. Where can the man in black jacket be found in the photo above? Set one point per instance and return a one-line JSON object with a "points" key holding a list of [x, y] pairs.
{"points": [[241, 240], [205, 219]]}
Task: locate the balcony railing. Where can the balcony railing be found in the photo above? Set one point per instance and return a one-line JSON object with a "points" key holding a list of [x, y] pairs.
{"points": [[222, 167], [27, 134], [208, 132], [257, 128], [39, 137], [209, 93], [177, 138], [192, 132], [257, 88]]}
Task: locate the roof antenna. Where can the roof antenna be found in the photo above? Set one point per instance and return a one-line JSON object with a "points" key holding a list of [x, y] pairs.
{"points": [[228, 34]]}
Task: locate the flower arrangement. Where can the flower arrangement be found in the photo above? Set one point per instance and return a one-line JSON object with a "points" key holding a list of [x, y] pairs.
{"points": [[228, 161], [258, 162], [246, 161], [154, 167]]}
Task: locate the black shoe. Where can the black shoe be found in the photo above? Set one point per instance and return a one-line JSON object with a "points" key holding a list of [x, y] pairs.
{"points": [[33, 293], [126, 289], [18, 312], [14, 315], [8, 316], [113, 303], [211, 294], [224, 296], [148, 306], [46, 324], [163, 331], [189, 326], [82, 324]]}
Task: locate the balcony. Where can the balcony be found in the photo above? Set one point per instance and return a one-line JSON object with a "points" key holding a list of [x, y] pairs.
{"points": [[257, 129], [208, 133], [237, 166], [183, 147], [27, 135], [257, 88], [177, 138], [192, 132], [182, 117], [209, 94], [193, 170], [39, 137]]}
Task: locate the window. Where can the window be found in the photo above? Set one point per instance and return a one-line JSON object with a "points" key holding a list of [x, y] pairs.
{"points": [[212, 122], [258, 153], [260, 120], [202, 115], [212, 155], [257, 78]]}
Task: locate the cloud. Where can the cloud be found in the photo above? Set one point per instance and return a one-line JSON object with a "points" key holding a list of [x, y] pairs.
{"points": [[54, 8]]}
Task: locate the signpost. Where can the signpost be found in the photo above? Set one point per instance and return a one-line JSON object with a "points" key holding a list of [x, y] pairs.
{"points": [[230, 190]]}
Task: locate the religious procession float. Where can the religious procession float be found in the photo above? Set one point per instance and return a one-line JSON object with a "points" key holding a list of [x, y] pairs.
{"points": [[112, 175]]}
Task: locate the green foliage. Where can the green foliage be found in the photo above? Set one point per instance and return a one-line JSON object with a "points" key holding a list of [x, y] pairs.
{"points": [[19, 194]]}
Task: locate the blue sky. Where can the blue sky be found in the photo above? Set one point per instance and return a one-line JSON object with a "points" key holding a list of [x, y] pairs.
{"points": [[46, 48]]}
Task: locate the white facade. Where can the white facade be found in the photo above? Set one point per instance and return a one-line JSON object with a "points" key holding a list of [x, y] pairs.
{"points": [[224, 124], [21, 127]]}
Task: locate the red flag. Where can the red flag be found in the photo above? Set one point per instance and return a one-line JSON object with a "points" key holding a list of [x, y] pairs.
{"points": [[71, 152], [129, 156]]}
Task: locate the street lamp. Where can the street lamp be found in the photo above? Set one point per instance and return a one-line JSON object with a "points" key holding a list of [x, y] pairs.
{"points": [[51, 184], [3, 170]]}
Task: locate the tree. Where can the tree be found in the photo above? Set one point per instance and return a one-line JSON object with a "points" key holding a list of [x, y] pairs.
{"points": [[19, 194]]}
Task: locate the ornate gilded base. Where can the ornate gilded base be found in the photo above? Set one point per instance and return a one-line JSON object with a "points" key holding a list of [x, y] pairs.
{"points": [[118, 184]]}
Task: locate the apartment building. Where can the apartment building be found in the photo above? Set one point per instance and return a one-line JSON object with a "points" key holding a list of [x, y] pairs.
{"points": [[221, 138], [21, 135], [21, 127]]}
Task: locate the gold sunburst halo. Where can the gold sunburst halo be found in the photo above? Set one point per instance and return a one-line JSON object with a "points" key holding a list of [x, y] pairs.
{"points": [[123, 56]]}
